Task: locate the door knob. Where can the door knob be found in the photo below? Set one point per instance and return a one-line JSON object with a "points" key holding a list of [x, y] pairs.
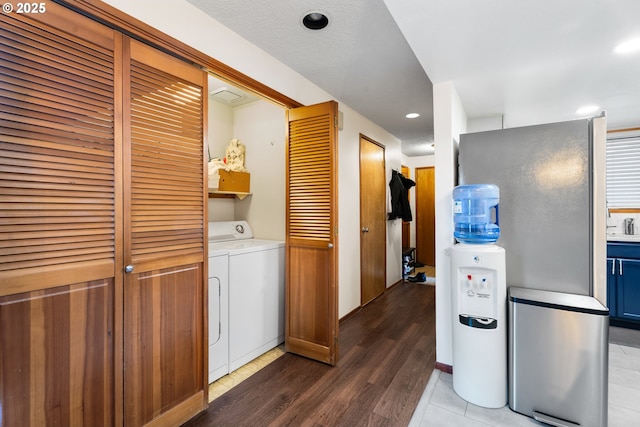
{"points": [[330, 245], [128, 268], [365, 229]]}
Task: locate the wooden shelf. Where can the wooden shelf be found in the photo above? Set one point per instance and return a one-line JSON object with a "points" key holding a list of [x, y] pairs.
{"points": [[231, 185], [215, 194]]}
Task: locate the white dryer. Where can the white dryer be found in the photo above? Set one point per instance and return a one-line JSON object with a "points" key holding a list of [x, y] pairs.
{"points": [[256, 278], [218, 313]]}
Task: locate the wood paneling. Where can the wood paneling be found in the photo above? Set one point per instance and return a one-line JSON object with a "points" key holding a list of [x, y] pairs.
{"points": [[57, 356], [307, 313], [164, 346], [311, 287]]}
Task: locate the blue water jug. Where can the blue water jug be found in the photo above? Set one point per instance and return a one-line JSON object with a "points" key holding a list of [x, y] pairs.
{"points": [[475, 213]]}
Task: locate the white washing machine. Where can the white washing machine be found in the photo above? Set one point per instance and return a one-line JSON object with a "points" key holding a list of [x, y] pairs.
{"points": [[256, 279]]}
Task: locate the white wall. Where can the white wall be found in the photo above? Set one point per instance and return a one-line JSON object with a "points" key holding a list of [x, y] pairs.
{"points": [[449, 122], [260, 127], [219, 133], [220, 128], [482, 124], [349, 207], [184, 22]]}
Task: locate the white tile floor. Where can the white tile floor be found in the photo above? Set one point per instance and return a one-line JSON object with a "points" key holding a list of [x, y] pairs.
{"points": [[226, 383], [441, 406]]}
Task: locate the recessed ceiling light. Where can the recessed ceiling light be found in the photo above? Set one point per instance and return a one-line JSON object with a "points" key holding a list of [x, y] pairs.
{"points": [[587, 109], [412, 115], [628, 46], [315, 20]]}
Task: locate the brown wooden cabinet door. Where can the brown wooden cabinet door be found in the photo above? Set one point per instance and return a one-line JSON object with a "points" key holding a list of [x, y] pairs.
{"points": [[312, 211], [58, 223], [164, 238]]}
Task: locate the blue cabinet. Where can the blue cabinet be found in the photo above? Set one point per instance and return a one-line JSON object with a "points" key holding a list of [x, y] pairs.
{"points": [[628, 289], [623, 281], [611, 287]]}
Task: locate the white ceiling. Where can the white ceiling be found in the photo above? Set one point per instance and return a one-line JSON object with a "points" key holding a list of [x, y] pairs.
{"points": [[529, 61]]}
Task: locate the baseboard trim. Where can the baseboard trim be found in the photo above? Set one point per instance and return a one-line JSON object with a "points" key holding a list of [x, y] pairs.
{"points": [[349, 314], [357, 309], [394, 284], [444, 368], [627, 324]]}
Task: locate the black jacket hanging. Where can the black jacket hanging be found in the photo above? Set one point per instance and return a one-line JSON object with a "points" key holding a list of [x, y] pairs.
{"points": [[399, 186]]}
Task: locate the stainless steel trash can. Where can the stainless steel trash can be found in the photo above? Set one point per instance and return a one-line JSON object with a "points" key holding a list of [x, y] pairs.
{"points": [[558, 357]]}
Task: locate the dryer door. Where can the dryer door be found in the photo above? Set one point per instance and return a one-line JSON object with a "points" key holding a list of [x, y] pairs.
{"points": [[218, 317]]}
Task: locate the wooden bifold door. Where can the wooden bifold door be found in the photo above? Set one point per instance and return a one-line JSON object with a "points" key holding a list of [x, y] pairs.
{"points": [[102, 228], [163, 237], [311, 306]]}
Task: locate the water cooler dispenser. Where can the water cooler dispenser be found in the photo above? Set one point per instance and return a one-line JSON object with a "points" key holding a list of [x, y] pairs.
{"points": [[479, 298]]}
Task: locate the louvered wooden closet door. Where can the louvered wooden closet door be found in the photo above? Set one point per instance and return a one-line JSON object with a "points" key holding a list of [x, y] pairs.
{"points": [[164, 239], [57, 220], [312, 212]]}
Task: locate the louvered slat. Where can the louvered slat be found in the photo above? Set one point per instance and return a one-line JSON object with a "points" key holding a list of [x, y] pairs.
{"points": [[166, 165], [310, 179], [56, 150]]}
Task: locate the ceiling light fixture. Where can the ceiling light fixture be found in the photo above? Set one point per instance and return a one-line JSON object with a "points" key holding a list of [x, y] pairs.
{"points": [[628, 46], [587, 109], [226, 95], [412, 115], [315, 20]]}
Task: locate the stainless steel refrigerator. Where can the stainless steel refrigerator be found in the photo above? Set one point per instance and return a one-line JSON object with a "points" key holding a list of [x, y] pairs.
{"points": [[552, 218], [552, 211]]}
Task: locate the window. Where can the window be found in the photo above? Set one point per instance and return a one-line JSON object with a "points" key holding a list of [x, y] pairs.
{"points": [[623, 171]]}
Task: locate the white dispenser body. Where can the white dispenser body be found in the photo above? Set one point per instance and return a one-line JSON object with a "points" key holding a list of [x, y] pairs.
{"points": [[479, 307]]}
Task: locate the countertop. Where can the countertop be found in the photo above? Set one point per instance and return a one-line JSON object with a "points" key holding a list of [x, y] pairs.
{"points": [[624, 238]]}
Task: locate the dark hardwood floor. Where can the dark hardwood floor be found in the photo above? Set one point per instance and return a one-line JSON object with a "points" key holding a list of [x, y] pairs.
{"points": [[387, 353]]}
